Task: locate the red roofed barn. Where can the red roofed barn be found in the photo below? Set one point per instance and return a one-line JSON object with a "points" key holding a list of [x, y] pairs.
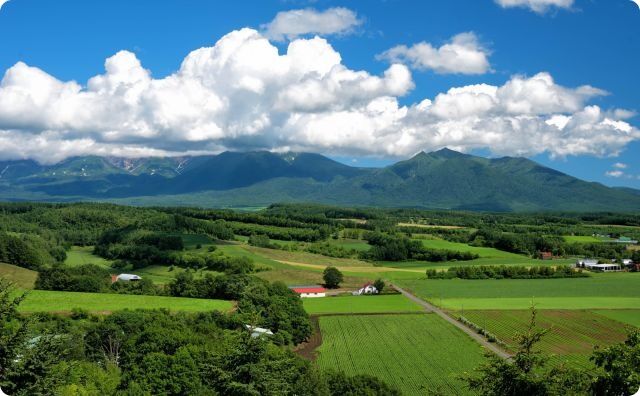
{"points": [[309, 291]]}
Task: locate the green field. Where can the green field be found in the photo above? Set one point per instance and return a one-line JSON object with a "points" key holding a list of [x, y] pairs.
{"points": [[581, 239], [80, 255], [58, 301], [360, 304], [627, 316], [420, 354], [600, 291], [21, 277], [572, 334]]}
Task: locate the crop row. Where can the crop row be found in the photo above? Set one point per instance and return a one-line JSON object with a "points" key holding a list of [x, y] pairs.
{"points": [[420, 354]]}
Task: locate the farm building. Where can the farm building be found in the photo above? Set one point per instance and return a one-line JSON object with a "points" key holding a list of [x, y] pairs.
{"points": [[128, 277], [592, 265], [546, 256], [309, 291], [367, 288]]}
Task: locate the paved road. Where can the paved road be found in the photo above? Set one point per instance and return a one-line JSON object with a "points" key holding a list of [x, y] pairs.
{"points": [[432, 308]]}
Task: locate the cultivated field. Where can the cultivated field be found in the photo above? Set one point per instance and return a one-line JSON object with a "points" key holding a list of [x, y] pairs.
{"points": [[21, 277], [627, 316], [600, 291], [57, 301], [420, 354], [572, 334], [360, 304]]}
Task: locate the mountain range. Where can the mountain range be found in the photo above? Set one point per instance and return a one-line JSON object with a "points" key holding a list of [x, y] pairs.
{"points": [[444, 179]]}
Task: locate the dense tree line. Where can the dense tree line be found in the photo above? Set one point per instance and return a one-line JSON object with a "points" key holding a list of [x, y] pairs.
{"points": [[506, 272], [145, 353], [281, 233], [387, 247], [29, 251], [84, 278]]}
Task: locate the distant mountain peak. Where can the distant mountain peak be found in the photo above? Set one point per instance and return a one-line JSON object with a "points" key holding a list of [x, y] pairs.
{"points": [[447, 153]]}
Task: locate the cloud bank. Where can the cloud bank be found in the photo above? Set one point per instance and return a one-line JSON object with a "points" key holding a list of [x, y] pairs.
{"points": [[462, 55], [539, 6], [242, 94], [289, 25]]}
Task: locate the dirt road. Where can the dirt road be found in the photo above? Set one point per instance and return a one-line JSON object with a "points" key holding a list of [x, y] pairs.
{"points": [[477, 337]]}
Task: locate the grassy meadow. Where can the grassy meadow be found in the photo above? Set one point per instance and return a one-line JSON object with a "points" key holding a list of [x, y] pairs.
{"points": [[81, 255], [21, 277], [59, 301]]}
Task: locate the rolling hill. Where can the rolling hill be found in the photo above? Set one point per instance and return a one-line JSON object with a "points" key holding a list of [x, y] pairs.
{"points": [[442, 179]]}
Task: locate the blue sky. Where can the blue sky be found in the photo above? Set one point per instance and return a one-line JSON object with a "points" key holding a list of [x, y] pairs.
{"points": [[579, 43]]}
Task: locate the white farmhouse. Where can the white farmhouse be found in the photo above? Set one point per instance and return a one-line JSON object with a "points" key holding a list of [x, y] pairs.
{"points": [[368, 288]]}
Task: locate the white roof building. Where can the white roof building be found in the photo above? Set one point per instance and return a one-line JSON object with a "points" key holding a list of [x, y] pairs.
{"points": [[366, 289], [128, 277]]}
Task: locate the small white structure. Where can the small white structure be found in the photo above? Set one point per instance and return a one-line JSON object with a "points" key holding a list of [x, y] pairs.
{"points": [[310, 291], [258, 331], [128, 277], [368, 288]]}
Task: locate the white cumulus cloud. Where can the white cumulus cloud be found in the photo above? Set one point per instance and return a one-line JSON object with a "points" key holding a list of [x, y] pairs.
{"points": [[242, 94], [615, 173], [289, 25], [539, 6], [463, 54], [620, 165]]}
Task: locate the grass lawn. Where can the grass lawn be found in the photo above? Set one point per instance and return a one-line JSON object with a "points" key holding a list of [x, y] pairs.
{"points": [[360, 304], [627, 316], [80, 255], [572, 334], [21, 277], [600, 291], [419, 354], [58, 301]]}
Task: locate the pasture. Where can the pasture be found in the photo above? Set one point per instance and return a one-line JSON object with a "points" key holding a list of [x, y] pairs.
{"points": [[21, 277], [81, 255], [419, 354], [360, 304], [59, 301], [571, 336]]}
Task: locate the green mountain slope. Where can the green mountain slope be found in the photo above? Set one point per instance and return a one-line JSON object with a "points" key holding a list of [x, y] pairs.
{"points": [[442, 179]]}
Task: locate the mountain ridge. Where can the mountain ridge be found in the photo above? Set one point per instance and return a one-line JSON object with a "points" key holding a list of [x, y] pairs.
{"points": [[444, 179]]}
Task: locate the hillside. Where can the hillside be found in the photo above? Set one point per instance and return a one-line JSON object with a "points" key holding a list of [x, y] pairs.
{"points": [[443, 179]]}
